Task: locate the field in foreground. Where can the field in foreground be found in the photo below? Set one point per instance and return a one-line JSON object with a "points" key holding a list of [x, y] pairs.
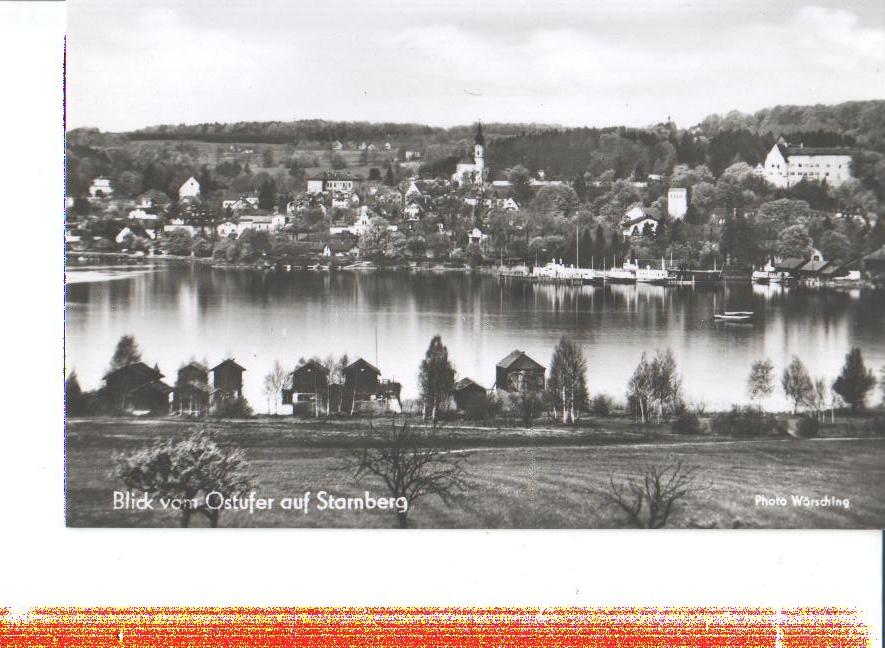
{"points": [[515, 484]]}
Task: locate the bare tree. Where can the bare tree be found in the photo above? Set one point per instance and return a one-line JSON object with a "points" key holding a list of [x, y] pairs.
{"points": [[760, 384], [655, 386], [187, 471], [639, 390], [568, 384], [648, 499], [797, 384], [819, 397], [411, 464], [274, 382], [336, 377], [666, 384]]}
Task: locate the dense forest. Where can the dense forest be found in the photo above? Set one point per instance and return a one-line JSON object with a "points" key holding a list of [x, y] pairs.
{"points": [[718, 142], [321, 131], [862, 122]]}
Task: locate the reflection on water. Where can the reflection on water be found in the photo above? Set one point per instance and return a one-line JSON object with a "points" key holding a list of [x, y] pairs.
{"points": [[183, 312]]}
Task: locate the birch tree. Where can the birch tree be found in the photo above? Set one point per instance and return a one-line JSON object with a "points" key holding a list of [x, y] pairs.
{"points": [[568, 383]]}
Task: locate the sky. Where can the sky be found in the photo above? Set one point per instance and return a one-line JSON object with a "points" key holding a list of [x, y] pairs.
{"points": [[568, 62]]}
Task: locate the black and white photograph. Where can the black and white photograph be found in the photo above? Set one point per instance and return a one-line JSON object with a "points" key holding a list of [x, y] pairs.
{"points": [[474, 265]]}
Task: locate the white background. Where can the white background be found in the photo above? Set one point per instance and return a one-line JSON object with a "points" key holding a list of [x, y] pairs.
{"points": [[43, 563]]}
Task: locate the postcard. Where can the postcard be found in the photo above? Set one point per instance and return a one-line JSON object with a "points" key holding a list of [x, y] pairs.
{"points": [[463, 265]]}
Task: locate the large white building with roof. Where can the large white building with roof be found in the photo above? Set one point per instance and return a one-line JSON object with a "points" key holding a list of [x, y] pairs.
{"points": [[787, 165]]}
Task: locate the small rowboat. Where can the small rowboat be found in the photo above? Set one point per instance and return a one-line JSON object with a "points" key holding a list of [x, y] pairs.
{"points": [[734, 316]]}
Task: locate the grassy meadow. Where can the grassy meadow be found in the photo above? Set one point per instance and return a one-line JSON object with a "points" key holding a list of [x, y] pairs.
{"points": [[536, 478]]}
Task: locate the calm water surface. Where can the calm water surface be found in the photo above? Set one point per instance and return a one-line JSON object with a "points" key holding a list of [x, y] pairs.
{"points": [[177, 313]]}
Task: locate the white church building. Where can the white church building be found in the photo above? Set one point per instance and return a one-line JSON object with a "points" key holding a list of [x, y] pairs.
{"points": [[472, 171], [787, 165]]}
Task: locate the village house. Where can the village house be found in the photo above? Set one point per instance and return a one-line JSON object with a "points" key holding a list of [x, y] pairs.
{"points": [[258, 222], [333, 182], [413, 211], [337, 146], [189, 189], [143, 216], [787, 165], [343, 200], [517, 371], [100, 188], [228, 198], [477, 237], [152, 199], [226, 228], [507, 204], [413, 192], [132, 231], [137, 389], [677, 202], [180, 224], [637, 218], [227, 381], [468, 394], [191, 394]]}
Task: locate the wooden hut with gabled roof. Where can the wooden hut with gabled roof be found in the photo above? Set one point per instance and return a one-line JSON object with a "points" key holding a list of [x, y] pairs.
{"points": [[227, 380], [467, 394], [517, 371], [361, 380], [191, 395], [137, 389], [308, 389]]}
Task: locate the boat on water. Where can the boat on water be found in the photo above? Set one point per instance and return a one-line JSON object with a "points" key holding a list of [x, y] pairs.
{"points": [[655, 276], [626, 274], [734, 316], [557, 271], [853, 278], [769, 275], [696, 277]]}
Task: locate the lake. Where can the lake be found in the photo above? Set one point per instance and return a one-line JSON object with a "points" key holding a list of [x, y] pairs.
{"points": [[179, 312]]}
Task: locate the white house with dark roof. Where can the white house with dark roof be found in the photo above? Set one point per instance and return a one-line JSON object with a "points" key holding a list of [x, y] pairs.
{"points": [[637, 217], [787, 165], [100, 188], [190, 189]]}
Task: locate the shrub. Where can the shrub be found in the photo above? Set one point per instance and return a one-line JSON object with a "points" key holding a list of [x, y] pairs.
{"points": [[744, 422], [232, 408], [687, 423], [602, 405], [485, 409], [188, 470], [808, 426]]}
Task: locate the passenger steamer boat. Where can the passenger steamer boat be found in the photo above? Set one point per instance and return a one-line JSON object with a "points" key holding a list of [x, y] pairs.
{"points": [[770, 275]]}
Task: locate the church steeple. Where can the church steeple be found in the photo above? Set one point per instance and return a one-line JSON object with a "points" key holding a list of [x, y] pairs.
{"points": [[479, 139]]}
